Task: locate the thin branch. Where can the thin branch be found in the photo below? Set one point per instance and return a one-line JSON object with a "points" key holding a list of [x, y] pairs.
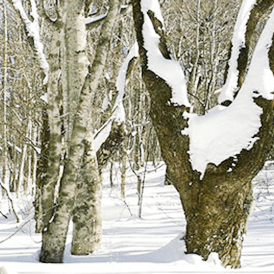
{"points": [[16, 231]]}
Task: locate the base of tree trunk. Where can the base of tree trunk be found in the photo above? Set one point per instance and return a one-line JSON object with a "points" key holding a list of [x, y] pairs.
{"points": [[47, 257], [218, 224]]}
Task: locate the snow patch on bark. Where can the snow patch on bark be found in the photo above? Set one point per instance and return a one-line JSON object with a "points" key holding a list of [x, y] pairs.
{"points": [[238, 42], [167, 69], [118, 113]]}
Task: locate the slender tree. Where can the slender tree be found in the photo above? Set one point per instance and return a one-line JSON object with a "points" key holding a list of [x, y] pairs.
{"points": [[80, 181]]}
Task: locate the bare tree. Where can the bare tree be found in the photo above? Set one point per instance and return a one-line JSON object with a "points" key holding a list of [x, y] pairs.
{"points": [[216, 194]]}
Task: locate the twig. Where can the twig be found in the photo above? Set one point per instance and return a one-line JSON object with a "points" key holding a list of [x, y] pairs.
{"points": [[3, 215], [16, 231]]}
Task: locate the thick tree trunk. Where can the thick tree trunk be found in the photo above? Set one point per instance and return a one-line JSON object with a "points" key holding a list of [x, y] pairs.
{"points": [[87, 219], [216, 220], [48, 183], [216, 205]]}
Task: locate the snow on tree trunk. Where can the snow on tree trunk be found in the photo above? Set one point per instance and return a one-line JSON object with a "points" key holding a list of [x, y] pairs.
{"points": [[213, 181]]}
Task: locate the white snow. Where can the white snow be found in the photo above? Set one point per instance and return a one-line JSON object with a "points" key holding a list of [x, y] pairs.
{"points": [[238, 41], [225, 132], [169, 70], [118, 112], [102, 134], [150, 244], [90, 20], [121, 79]]}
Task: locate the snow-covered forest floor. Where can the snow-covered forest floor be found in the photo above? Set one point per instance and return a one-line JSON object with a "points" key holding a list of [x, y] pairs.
{"points": [[150, 244]]}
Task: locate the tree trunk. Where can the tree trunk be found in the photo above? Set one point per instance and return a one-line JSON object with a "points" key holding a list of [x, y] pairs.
{"points": [[216, 204], [80, 156], [123, 172], [42, 166], [87, 218], [216, 220], [5, 173]]}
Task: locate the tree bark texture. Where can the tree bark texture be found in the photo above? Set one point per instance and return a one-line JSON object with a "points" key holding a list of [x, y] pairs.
{"points": [[80, 165], [87, 217], [216, 206]]}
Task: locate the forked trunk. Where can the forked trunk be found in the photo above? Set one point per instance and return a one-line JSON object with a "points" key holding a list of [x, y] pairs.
{"points": [[217, 202]]}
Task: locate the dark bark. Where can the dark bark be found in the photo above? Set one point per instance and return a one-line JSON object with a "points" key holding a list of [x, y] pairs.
{"points": [[39, 206], [216, 206], [111, 145]]}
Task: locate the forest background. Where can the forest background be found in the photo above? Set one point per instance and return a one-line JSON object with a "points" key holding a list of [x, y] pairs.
{"points": [[43, 74]]}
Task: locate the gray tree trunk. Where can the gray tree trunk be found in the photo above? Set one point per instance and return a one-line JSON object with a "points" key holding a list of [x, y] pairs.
{"points": [[80, 165]]}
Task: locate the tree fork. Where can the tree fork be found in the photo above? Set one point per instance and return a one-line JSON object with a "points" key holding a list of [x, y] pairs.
{"points": [[217, 205]]}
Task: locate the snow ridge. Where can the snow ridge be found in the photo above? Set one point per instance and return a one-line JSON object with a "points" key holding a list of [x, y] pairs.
{"points": [[169, 70], [225, 132], [238, 42]]}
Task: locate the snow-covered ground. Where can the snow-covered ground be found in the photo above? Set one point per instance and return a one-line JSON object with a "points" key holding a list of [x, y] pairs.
{"points": [[150, 244]]}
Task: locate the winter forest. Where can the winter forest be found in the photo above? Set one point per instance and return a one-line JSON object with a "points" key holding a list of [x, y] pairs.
{"points": [[136, 136]]}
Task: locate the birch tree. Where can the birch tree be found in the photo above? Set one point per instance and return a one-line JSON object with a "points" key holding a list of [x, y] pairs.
{"points": [[212, 159], [80, 174]]}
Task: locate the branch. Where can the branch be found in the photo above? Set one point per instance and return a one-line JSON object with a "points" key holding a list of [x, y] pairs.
{"points": [[118, 113], [16, 231], [152, 42], [164, 79], [244, 129], [249, 16], [6, 190], [238, 45]]}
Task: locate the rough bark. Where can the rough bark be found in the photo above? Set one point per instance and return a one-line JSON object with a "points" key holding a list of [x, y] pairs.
{"points": [[55, 147], [216, 206], [76, 59], [42, 166], [87, 217], [80, 156]]}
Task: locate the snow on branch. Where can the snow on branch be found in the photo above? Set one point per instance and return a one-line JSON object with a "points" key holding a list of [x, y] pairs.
{"points": [[163, 66], [238, 42], [33, 31], [120, 84], [225, 132], [118, 112], [90, 20]]}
